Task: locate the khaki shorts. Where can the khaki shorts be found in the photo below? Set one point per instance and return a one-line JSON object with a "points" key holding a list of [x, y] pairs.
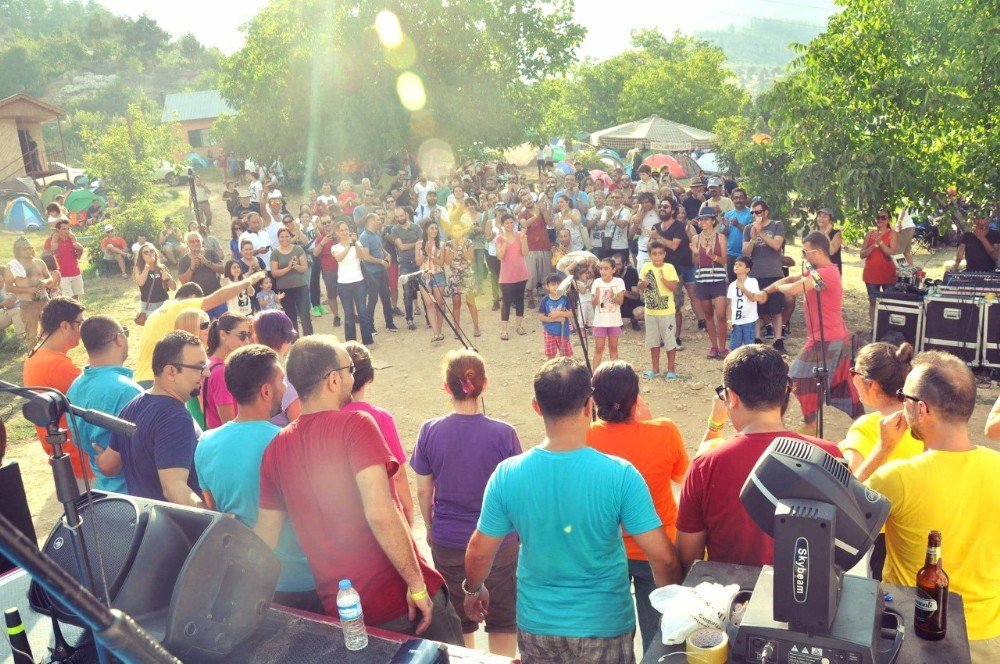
{"points": [[661, 331], [501, 583], [71, 286]]}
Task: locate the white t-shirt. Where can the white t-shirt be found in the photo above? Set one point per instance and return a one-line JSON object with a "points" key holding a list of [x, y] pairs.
{"points": [[272, 230], [349, 267], [904, 223], [421, 191], [260, 240], [255, 188], [648, 221], [607, 312], [744, 309]]}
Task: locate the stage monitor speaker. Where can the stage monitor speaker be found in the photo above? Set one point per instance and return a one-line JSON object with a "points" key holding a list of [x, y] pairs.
{"points": [[991, 333], [198, 581], [954, 325], [898, 320], [14, 505]]}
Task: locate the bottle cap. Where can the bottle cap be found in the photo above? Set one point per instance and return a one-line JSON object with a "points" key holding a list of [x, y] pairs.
{"points": [[345, 584]]}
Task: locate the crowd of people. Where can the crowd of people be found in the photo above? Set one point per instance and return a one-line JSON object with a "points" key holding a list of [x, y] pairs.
{"points": [[240, 407]]}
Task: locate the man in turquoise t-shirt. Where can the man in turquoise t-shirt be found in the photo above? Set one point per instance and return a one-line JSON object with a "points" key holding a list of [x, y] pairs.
{"points": [[735, 221], [568, 504], [228, 459], [104, 385]]}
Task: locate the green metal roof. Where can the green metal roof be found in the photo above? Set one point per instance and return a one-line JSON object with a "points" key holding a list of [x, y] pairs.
{"points": [[182, 106]]}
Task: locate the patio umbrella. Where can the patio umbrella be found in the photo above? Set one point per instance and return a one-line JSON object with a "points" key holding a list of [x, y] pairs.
{"points": [[659, 161]]}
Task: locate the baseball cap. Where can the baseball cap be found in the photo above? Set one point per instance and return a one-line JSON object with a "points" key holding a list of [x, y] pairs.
{"points": [[697, 183], [826, 211], [715, 182]]}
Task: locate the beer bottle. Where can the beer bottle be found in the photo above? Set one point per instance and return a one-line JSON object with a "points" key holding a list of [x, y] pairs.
{"points": [[930, 619]]}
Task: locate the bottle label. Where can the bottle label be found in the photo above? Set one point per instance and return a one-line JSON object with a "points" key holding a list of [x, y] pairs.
{"points": [[349, 612], [934, 553], [926, 604]]}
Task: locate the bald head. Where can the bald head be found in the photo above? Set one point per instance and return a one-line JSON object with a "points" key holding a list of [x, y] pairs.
{"points": [[945, 383]]}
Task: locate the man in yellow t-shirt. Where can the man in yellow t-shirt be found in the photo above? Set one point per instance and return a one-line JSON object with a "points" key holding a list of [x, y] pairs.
{"points": [[161, 321], [951, 488], [657, 282]]}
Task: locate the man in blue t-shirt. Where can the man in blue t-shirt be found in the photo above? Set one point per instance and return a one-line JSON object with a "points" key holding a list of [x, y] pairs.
{"points": [[376, 267], [158, 459], [105, 385], [568, 503], [228, 464], [735, 221]]}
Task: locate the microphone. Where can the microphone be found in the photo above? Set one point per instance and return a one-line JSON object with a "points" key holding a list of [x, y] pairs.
{"points": [[817, 278], [405, 278]]}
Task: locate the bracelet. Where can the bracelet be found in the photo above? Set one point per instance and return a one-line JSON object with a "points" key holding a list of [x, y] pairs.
{"points": [[715, 426], [471, 594], [417, 596]]}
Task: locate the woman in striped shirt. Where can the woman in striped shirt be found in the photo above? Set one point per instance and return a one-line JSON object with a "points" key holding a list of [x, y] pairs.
{"points": [[709, 253]]}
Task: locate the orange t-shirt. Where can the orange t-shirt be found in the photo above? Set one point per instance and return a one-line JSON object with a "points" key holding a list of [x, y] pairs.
{"points": [[655, 448], [50, 368]]}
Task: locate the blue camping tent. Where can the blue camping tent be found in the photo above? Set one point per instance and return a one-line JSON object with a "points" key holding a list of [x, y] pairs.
{"points": [[196, 160], [22, 215]]}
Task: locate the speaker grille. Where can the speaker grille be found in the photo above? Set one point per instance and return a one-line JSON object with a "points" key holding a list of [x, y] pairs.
{"points": [[837, 469], [117, 522], [790, 447]]}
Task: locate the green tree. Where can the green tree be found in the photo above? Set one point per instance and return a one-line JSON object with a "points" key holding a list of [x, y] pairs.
{"points": [[313, 78], [125, 153], [892, 105]]}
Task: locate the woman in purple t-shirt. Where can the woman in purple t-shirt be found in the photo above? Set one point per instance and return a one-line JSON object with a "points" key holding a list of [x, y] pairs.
{"points": [[227, 333], [453, 459], [364, 375]]}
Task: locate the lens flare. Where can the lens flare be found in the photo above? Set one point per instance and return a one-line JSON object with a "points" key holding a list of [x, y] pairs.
{"points": [[411, 93], [390, 32]]}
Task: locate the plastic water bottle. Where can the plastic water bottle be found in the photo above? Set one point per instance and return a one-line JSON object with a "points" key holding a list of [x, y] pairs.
{"points": [[352, 620]]}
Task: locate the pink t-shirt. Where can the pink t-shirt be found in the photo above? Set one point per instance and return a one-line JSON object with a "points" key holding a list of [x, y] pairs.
{"points": [[832, 298], [386, 425], [513, 268], [215, 392]]}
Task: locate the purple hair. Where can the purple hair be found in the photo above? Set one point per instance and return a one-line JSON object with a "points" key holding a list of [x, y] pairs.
{"points": [[274, 328]]}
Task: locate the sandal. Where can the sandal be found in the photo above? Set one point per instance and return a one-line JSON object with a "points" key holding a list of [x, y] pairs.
{"points": [[714, 353], [650, 374], [439, 337], [504, 336], [477, 333], [522, 331]]}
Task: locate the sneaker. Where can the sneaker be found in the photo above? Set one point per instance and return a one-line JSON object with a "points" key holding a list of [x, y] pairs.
{"points": [[701, 325], [713, 354], [758, 340], [336, 321], [785, 331], [635, 325], [410, 325], [324, 310], [768, 331], [316, 312], [779, 345], [680, 344], [397, 312], [392, 328], [670, 375], [650, 374]]}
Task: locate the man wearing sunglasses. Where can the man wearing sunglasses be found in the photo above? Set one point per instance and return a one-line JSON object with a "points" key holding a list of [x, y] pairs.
{"points": [[950, 488], [106, 386], [330, 474], [753, 396], [158, 458], [762, 241]]}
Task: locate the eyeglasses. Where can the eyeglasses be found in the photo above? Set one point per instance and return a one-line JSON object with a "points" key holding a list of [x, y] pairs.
{"points": [[116, 335], [756, 213], [200, 368], [350, 369], [901, 396], [242, 335], [76, 322], [882, 217]]}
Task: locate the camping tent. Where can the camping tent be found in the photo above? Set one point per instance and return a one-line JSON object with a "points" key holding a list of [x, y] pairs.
{"points": [[51, 192], [656, 133], [22, 215], [80, 199], [196, 160]]}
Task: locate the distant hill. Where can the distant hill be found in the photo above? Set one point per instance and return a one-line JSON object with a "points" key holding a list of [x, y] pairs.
{"points": [[758, 49]]}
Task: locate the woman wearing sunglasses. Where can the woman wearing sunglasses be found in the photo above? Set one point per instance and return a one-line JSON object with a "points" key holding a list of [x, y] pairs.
{"points": [[879, 272], [225, 334], [152, 278]]}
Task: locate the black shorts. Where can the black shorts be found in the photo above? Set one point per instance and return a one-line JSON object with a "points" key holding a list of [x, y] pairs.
{"points": [[775, 303]]}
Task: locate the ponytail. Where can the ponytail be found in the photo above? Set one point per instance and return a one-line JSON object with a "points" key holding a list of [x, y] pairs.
{"points": [[213, 337], [465, 374], [224, 323]]}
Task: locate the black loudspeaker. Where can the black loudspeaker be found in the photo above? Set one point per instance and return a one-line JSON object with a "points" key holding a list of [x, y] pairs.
{"points": [[198, 581], [991, 333], [14, 505], [898, 320], [953, 324]]}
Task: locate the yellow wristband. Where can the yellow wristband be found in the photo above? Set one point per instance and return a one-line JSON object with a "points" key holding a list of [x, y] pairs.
{"points": [[416, 597], [712, 424]]}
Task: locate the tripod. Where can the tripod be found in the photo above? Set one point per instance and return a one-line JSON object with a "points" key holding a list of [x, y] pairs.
{"points": [[574, 302]]}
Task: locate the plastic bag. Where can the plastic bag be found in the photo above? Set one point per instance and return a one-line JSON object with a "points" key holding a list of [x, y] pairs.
{"points": [[687, 609]]}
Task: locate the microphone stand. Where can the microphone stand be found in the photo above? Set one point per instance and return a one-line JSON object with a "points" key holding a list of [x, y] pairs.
{"points": [[821, 371], [46, 409]]}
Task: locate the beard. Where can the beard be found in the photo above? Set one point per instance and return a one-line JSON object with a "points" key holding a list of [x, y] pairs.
{"points": [[275, 409], [195, 392], [663, 215]]}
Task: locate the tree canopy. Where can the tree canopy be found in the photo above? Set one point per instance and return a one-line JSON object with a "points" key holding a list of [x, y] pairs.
{"points": [[895, 103], [316, 78]]}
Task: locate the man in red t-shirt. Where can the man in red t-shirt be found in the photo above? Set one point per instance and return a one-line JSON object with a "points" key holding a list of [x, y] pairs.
{"points": [[329, 471], [539, 248], [824, 295], [753, 395], [114, 248], [67, 251], [328, 264]]}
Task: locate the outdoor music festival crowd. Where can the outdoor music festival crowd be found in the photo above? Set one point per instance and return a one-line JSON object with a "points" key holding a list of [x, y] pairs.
{"points": [[238, 411]]}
